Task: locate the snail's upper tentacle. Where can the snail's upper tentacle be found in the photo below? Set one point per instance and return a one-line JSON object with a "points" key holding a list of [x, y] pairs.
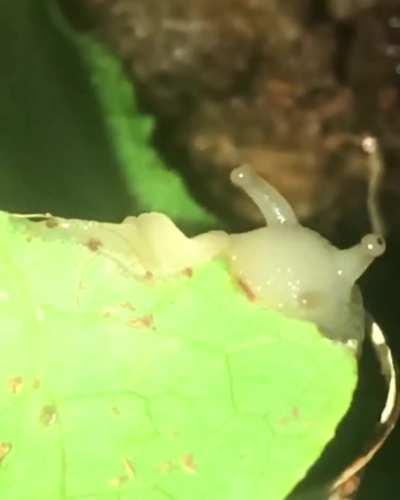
{"points": [[273, 206]]}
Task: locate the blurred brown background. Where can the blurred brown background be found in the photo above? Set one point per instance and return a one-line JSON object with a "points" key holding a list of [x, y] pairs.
{"points": [[286, 86]]}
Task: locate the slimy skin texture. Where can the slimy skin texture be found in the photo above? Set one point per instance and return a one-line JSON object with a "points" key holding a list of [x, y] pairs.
{"points": [[149, 244], [294, 269], [282, 266]]}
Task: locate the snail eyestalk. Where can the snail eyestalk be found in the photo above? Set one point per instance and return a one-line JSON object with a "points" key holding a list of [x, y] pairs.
{"points": [[370, 146], [273, 206], [354, 261]]}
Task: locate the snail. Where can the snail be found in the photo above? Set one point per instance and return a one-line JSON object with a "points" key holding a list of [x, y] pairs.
{"points": [[283, 266], [294, 269]]}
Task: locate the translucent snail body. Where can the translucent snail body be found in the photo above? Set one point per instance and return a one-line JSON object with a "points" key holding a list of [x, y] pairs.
{"points": [[294, 269], [284, 265]]}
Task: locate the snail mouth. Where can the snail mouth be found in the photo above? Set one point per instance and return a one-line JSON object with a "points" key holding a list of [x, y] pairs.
{"points": [[334, 479]]}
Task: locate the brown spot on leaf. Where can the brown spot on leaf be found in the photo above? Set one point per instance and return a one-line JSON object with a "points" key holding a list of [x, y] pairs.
{"points": [[48, 415], [188, 271], [94, 244], [130, 468], [124, 478], [149, 276], [188, 464], [127, 305], [146, 321], [5, 449], [15, 384], [288, 419], [119, 481]]}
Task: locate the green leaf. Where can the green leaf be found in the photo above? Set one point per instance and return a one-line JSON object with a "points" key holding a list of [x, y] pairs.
{"points": [[119, 388], [55, 153], [153, 185], [74, 141]]}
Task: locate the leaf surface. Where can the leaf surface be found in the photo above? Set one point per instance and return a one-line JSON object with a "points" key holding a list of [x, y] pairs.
{"points": [[119, 388]]}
